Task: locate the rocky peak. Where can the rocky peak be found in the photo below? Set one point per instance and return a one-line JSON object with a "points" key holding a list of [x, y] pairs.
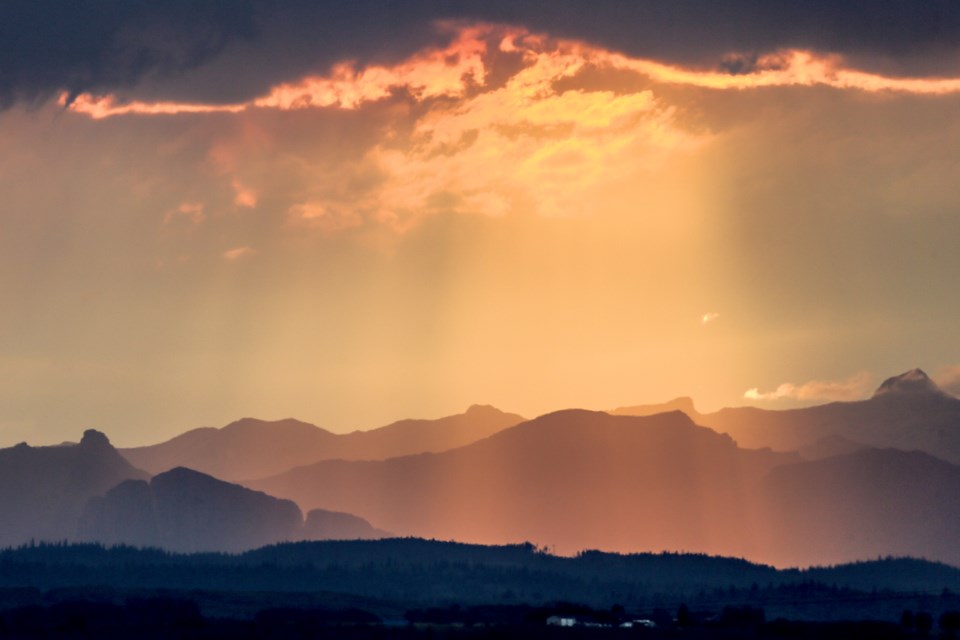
{"points": [[94, 439], [914, 381]]}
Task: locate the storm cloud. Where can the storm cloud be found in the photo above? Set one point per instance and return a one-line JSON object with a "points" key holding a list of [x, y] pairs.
{"points": [[89, 45], [230, 50]]}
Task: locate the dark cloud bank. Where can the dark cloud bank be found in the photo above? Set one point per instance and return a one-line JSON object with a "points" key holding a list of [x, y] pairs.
{"points": [[228, 50]]}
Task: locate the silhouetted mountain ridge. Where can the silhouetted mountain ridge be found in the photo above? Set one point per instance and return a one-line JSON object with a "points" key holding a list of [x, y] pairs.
{"points": [[683, 403], [43, 490], [907, 411], [188, 511], [251, 448], [913, 381], [572, 480], [575, 479]]}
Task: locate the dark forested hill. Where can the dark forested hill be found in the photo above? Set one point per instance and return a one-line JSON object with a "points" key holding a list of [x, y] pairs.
{"points": [[391, 576]]}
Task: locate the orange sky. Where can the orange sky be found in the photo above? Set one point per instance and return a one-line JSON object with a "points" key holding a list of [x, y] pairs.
{"points": [[510, 218]]}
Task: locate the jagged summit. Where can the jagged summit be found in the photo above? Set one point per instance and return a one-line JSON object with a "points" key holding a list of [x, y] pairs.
{"points": [[93, 438], [913, 382]]}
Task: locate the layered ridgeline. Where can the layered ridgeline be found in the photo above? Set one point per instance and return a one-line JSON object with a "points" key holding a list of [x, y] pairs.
{"points": [[251, 448], [185, 510], [88, 491], [572, 480], [569, 480], [43, 490], [576, 480], [906, 412]]}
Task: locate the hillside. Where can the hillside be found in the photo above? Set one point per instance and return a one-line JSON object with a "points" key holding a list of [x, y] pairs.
{"points": [[866, 504], [391, 576]]}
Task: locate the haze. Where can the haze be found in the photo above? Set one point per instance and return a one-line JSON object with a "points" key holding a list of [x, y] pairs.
{"points": [[400, 212]]}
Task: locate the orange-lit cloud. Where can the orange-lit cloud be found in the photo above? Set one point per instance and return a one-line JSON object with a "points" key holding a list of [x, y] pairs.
{"points": [[540, 139], [433, 73], [709, 317], [526, 142], [855, 387], [453, 70], [785, 69], [238, 253], [326, 218], [243, 196], [109, 106]]}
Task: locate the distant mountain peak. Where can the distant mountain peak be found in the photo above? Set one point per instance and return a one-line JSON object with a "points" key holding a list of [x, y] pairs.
{"points": [[482, 408], [186, 473], [913, 381], [683, 403], [93, 438]]}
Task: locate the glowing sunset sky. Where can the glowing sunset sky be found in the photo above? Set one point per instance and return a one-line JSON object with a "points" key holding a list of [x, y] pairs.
{"points": [[352, 214]]}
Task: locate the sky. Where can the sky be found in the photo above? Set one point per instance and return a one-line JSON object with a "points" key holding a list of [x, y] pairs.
{"points": [[355, 212]]}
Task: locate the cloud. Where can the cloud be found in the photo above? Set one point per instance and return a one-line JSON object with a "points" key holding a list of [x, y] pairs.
{"points": [[492, 120], [329, 219], [948, 379], [787, 68], [526, 144], [495, 122], [431, 73], [855, 387], [191, 212], [105, 45], [454, 70], [238, 253], [232, 51], [243, 196], [109, 105], [917, 36], [709, 317]]}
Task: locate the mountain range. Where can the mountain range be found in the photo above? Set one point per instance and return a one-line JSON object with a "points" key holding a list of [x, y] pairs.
{"points": [[906, 412], [834, 483], [88, 491], [572, 479], [251, 448], [575, 480], [44, 490], [188, 511]]}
